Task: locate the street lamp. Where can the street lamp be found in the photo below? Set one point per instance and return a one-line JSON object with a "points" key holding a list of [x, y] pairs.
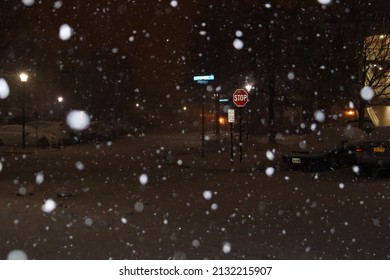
{"points": [[23, 79]]}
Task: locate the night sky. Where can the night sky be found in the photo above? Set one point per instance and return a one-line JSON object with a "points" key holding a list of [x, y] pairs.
{"points": [[123, 52]]}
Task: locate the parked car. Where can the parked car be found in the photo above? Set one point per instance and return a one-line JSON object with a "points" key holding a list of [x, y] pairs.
{"points": [[373, 154], [330, 146], [11, 135], [57, 131]]}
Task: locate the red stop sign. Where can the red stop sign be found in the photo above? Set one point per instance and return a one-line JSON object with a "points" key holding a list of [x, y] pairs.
{"points": [[240, 97]]}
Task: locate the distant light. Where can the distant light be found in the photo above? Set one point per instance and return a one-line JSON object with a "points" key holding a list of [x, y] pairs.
{"points": [[349, 113], [248, 87], [23, 77], [222, 120], [60, 99], [223, 100]]}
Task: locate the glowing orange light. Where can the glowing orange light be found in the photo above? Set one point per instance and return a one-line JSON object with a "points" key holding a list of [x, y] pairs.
{"points": [[350, 113], [222, 120]]}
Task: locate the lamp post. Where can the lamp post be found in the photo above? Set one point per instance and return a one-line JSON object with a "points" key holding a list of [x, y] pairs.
{"points": [[248, 87], [23, 79]]}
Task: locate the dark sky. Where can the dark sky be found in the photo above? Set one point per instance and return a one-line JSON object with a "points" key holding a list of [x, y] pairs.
{"points": [[127, 51], [133, 48]]}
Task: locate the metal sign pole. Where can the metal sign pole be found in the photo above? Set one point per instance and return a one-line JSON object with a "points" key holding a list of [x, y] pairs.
{"points": [[203, 80], [203, 126], [231, 143], [240, 124], [240, 99], [231, 121]]}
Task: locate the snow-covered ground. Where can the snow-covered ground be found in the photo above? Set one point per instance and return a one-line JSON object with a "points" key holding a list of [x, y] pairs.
{"points": [[155, 197]]}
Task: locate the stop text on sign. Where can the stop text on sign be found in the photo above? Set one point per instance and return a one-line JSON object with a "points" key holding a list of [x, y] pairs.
{"points": [[240, 97]]}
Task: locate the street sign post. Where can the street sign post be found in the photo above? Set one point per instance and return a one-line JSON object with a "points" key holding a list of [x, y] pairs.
{"points": [[240, 99], [231, 121], [203, 80], [231, 115]]}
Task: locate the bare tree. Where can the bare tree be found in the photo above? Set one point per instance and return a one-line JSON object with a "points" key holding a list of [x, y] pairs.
{"points": [[377, 66]]}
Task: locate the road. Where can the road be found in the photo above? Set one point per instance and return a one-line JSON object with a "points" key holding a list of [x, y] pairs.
{"points": [[154, 197]]}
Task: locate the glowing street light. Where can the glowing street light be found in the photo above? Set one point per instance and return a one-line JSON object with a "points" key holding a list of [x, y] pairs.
{"points": [[23, 79], [248, 87]]}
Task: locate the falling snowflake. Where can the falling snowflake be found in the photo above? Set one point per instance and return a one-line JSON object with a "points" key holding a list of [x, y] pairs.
{"points": [[28, 2], [195, 243], [174, 3], [367, 93], [226, 247], [143, 179], [39, 178], [291, 76], [49, 206], [88, 222], [214, 206], [139, 206], [270, 171], [319, 116], [78, 120], [17, 255], [207, 195], [324, 2], [270, 155], [79, 165], [238, 44], [58, 4], [65, 32], [4, 89]]}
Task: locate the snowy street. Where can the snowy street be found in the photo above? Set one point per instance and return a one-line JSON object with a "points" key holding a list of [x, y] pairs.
{"points": [[154, 197]]}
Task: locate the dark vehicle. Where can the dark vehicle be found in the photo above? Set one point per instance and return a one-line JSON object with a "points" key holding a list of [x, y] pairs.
{"points": [[373, 154], [330, 146]]}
